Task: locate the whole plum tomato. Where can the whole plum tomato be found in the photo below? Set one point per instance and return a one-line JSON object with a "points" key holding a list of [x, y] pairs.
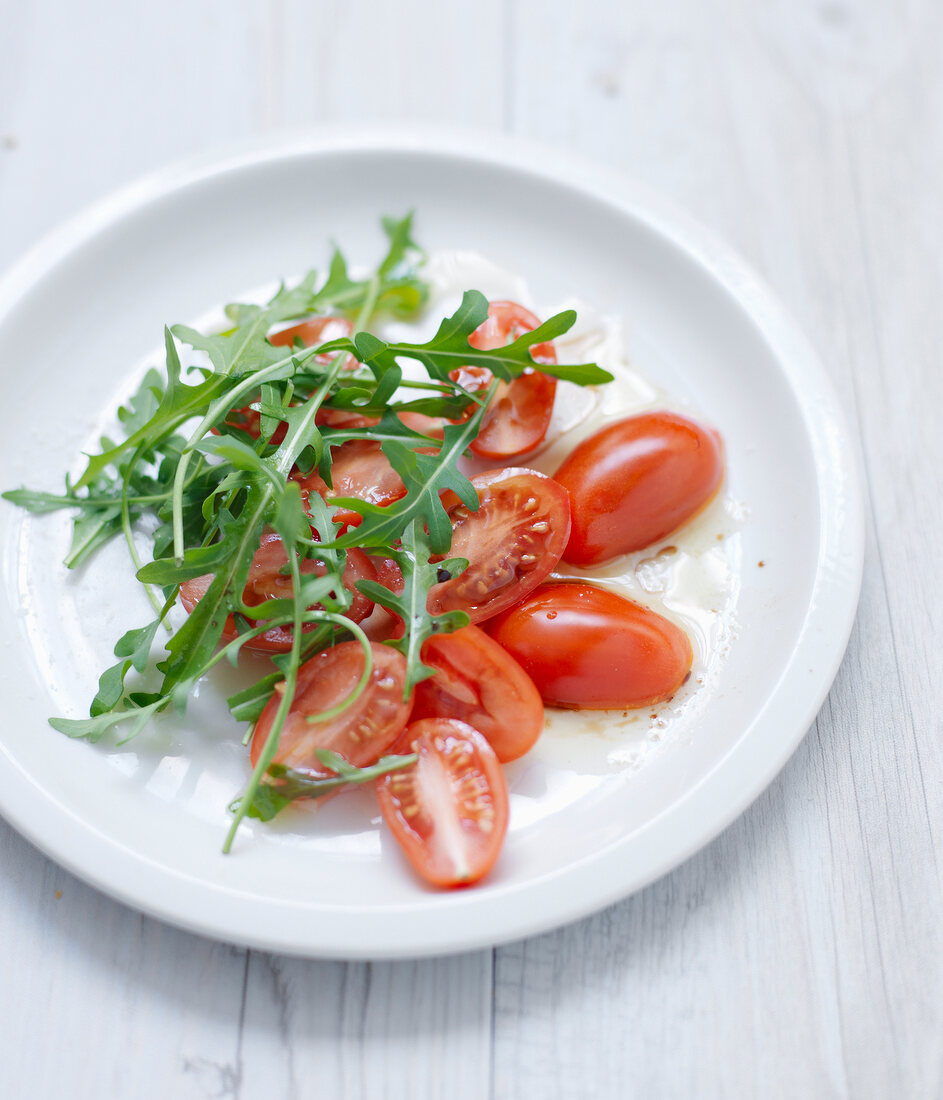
{"points": [[635, 481], [588, 649]]}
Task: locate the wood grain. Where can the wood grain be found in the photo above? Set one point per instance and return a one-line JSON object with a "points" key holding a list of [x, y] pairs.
{"points": [[801, 954]]}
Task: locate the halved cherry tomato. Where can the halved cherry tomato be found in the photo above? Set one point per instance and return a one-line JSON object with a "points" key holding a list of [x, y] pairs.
{"points": [[589, 649], [384, 624], [319, 330], [478, 682], [362, 732], [517, 419], [250, 421], [449, 810], [512, 542], [266, 581], [389, 574], [635, 481], [428, 425], [344, 418], [360, 469], [316, 331]]}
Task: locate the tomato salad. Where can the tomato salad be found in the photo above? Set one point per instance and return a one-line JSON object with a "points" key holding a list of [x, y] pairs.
{"points": [[318, 504]]}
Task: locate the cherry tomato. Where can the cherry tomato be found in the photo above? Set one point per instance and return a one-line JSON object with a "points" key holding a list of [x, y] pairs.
{"points": [[343, 418], [635, 481], [517, 419], [588, 648], [362, 732], [250, 420], [427, 425], [360, 469], [389, 574], [383, 624], [266, 581], [478, 682], [316, 331], [512, 542], [319, 330], [449, 810]]}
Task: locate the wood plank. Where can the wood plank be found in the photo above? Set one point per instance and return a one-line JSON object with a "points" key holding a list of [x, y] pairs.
{"points": [[797, 955], [100, 1001], [800, 954], [410, 1030], [97, 1000]]}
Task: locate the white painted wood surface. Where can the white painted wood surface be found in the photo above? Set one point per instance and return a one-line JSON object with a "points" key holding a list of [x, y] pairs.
{"points": [[801, 954]]}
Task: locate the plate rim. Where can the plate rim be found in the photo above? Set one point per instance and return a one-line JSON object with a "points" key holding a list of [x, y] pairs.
{"points": [[129, 878]]}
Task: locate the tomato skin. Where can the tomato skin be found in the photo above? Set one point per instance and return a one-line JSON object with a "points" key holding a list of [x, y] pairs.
{"points": [[449, 810], [360, 469], [517, 419], [266, 581], [362, 732], [635, 481], [512, 542], [520, 411], [317, 330], [479, 682], [588, 649]]}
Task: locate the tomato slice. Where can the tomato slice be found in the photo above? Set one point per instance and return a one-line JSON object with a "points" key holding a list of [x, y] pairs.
{"points": [[588, 648], [362, 732], [433, 426], [512, 542], [449, 810], [635, 481], [389, 573], [250, 421], [318, 330], [517, 419], [360, 469], [344, 418], [478, 682], [266, 581]]}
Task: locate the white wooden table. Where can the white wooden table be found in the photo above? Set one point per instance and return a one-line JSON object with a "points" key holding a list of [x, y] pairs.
{"points": [[801, 954]]}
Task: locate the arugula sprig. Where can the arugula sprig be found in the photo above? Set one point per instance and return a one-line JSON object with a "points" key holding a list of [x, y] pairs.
{"points": [[449, 348], [211, 488], [288, 785], [420, 573]]}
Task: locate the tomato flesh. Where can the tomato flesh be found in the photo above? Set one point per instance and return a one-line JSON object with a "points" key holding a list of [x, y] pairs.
{"points": [[449, 810], [587, 648], [478, 682], [636, 481], [512, 542], [517, 419], [360, 469], [362, 732], [519, 414], [316, 331], [266, 581]]}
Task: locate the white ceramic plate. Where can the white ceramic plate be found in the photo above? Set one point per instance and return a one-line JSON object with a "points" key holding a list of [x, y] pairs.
{"points": [[144, 823]]}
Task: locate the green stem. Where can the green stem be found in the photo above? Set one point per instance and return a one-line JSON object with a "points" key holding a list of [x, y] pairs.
{"points": [[285, 459], [288, 697], [369, 304], [219, 408]]}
